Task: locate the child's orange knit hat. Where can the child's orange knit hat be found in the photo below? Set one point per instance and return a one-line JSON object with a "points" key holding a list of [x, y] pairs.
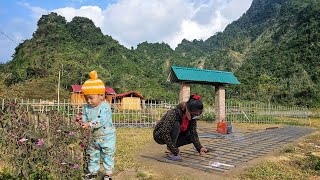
{"points": [[93, 85]]}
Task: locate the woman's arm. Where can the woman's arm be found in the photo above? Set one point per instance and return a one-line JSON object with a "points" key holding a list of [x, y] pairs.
{"points": [[194, 135]]}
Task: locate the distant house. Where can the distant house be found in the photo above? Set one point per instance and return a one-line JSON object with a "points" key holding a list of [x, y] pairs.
{"points": [[129, 101], [110, 94], [78, 99]]}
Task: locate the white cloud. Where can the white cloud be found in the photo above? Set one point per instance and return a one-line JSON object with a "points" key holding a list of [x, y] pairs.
{"points": [[191, 30], [92, 12], [135, 21]]}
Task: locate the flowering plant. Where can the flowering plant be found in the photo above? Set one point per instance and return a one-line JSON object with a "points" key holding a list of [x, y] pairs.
{"points": [[42, 146]]}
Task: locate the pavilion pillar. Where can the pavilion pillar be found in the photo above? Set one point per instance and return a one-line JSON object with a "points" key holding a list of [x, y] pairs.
{"points": [[184, 92], [220, 102]]}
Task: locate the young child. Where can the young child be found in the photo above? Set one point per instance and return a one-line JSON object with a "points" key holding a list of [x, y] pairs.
{"points": [[97, 116]]}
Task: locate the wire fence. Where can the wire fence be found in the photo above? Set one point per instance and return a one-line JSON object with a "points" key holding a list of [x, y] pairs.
{"points": [[147, 114], [262, 113]]}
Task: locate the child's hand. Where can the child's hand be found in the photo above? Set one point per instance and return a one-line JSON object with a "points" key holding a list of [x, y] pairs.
{"points": [[78, 118], [86, 125]]}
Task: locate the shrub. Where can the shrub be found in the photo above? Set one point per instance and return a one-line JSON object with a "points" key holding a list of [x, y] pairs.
{"points": [[208, 117], [39, 146], [312, 162]]}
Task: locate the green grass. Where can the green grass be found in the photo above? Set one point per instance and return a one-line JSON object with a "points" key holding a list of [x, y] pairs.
{"points": [[275, 170], [129, 142], [290, 149], [144, 175], [315, 122], [132, 140]]}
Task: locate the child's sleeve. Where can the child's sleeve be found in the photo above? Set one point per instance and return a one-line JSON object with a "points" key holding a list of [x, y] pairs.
{"points": [[105, 117]]}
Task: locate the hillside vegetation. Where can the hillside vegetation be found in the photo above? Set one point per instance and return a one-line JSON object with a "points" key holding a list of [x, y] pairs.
{"points": [[273, 49]]}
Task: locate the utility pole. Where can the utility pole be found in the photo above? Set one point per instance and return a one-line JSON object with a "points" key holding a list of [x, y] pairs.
{"points": [[59, 92]]}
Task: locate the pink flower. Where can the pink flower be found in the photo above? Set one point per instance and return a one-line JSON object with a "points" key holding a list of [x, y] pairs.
{"points": [[40, 142], [83, 145], [77, 119], [75, 166], [70, 133], [22, 140]]}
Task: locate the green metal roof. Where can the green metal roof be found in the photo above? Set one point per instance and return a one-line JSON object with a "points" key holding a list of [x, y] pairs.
{"points": [[201, 76]]}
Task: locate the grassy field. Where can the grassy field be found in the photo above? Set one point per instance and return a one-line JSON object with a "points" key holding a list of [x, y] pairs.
{"points": [[297, 161], [129, 142]]}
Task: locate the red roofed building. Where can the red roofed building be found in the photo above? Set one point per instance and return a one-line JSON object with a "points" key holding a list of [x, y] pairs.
{"points": [[76, 88], [130, 94], [110, 91]]}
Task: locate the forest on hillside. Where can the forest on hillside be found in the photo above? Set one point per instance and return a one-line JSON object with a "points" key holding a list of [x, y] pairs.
{"points": [[273, 50]]}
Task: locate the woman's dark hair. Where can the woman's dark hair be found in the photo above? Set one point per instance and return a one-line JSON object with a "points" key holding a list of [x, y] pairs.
{"points": [[194, 103]]}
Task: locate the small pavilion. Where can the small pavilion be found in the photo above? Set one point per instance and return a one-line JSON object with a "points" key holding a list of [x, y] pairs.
{"points": [[186, 76]]}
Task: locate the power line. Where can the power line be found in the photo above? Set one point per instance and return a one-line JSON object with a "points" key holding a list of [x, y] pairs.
{"points": [[8, 37]]}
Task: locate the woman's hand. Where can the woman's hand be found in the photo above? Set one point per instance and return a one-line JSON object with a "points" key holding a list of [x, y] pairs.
{"points": [[203, 150]]}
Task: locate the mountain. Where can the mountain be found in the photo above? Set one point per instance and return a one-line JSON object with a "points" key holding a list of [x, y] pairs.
{"points": [[75, 48], [273, 49]]}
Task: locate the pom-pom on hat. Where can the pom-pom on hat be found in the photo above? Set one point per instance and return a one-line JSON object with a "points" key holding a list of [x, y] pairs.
{"points": [[93, 85]]}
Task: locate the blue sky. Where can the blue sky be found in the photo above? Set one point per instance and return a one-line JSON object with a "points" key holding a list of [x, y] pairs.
{"points": [[128, 21]]}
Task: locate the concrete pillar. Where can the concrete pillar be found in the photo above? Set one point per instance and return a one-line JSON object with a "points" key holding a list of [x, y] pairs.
{"points": [[184, 92], [220, 102]]}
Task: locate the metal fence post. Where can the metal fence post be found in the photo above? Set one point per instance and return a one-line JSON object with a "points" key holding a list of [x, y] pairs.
{"points": [[2, 105]]}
